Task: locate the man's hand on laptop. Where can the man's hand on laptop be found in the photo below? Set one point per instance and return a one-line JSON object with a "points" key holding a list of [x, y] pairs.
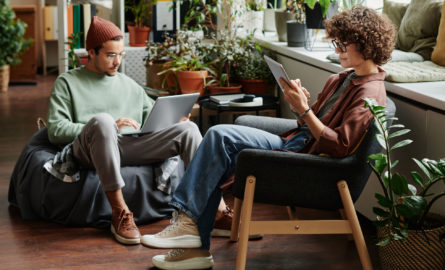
{"points": [[127, 122], [183, 119]]}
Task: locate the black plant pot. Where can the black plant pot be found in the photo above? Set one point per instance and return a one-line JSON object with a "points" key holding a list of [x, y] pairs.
{"points": [[295, 34], [314, 17]]}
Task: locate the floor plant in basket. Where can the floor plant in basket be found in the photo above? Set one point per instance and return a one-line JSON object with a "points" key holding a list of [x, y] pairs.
{"points": [[406, 228]]}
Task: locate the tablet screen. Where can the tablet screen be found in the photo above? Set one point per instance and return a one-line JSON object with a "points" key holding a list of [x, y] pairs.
{"points": [[277, 71]]}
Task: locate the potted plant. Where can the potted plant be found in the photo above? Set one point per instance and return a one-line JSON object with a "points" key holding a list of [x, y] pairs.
{"points": [[139, 29], [409, 236], [252, 70], [189, 65], [295, 29], [12, 42], [317, 11], [281, 18], [269, 14], [223, 53], [158, 59], [254, 16]]}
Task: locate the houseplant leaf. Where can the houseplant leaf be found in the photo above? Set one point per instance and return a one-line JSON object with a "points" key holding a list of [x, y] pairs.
{"points": [[400, 144], [398, 133], [399, 184], [383, 201]]}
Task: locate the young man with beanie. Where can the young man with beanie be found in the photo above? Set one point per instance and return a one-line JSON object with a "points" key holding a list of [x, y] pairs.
{"points": [[90, 105]]}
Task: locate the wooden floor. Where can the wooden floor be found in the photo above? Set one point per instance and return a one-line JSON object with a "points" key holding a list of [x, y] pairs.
{"points": [[42, 245]]}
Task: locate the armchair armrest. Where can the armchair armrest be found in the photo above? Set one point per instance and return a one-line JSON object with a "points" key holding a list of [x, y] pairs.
{"points": [[269, 124]]}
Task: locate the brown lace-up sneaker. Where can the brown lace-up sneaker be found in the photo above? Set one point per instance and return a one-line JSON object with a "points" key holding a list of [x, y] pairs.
{"points": [[123, 227], [223, 225], [184, 259]]}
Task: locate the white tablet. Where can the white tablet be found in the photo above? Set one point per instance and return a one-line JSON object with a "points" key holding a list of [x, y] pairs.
{"points": [[277, 71]]}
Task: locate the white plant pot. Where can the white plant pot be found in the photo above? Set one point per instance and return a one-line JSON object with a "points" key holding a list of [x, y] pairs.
{"points": [[253, 21], [269, 20]]}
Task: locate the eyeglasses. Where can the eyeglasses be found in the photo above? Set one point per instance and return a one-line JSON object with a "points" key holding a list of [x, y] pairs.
{"points": [[340, 45], [112, 56]]}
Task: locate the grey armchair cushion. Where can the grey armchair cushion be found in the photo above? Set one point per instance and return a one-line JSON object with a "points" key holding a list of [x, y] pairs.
{"points": [[269, 124], [296, 179]]}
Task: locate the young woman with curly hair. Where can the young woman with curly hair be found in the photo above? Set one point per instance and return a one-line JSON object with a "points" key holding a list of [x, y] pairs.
{"points": [[333, 125]]}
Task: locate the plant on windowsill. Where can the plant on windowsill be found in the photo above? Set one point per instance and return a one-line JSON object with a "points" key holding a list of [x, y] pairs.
{"points": [[295, 28], [317, 11], [253, 17], [12, 42], [138, 28], [409, 236]]}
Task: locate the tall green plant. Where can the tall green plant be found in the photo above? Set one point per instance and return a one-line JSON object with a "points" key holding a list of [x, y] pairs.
{"points": [[12, 42], [402, 205], [141, 10]]}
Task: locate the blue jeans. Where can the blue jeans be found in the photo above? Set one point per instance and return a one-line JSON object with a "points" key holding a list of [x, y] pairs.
{"points": [[198, 194]]}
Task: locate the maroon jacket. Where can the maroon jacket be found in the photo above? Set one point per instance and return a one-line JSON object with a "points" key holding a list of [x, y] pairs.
{"points": [[347, 121]]}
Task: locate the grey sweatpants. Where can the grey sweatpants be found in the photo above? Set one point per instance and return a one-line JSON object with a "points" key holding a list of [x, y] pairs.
{"points": [[99, 146]]}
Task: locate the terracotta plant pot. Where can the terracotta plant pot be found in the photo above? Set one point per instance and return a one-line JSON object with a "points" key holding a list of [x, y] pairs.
{"points": [[138, 35], [4, 78], [216, 89], [192, 81], [254, 86]]}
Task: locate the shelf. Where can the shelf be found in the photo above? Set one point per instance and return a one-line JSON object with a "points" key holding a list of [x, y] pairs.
{"points": [[117, 14]]}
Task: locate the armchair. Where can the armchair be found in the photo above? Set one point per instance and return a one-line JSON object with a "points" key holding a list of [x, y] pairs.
{"points": [[294, 179]]}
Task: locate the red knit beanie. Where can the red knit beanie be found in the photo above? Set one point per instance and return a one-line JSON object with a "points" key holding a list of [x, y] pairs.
{"points": [[100, 32]]}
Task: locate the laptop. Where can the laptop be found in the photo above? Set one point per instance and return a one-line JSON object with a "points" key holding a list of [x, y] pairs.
{"points": [[166, 112]]}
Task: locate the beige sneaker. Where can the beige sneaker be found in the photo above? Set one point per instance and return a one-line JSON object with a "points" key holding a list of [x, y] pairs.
{"points": [[181, 233], [184, 259]]}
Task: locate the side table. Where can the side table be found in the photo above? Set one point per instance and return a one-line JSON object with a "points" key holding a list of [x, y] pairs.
{"points": [[269, 103]]}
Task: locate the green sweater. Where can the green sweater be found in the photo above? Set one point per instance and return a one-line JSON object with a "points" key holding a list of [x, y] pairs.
{"points": [[79, 94]]}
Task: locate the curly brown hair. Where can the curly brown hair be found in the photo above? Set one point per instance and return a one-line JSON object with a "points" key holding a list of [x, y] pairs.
{"points": [[374, 33]]}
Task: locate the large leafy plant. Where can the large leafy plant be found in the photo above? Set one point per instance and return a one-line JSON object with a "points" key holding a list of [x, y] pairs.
{"points": [[250, 63], [12, 42], [402, 206]]}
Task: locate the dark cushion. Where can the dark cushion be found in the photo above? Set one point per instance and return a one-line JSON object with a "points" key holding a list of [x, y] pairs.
{"points": [[83, 203]]}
